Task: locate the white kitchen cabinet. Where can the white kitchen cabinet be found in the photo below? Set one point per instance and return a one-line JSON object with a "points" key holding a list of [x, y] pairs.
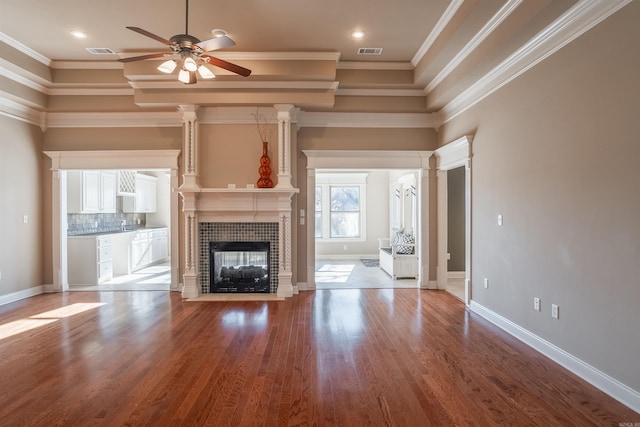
{"points": [[144, 200], [89, 259], [91, 191], [135, 250]]}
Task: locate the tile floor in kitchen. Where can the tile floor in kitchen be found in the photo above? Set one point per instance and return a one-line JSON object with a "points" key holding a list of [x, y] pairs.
{"points": [[153, 278]]}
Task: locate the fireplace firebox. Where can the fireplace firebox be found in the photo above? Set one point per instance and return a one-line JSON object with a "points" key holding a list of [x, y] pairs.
{"points": [[239, 267]]}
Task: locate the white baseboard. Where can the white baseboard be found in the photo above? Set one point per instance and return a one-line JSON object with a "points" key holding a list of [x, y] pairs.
{"points": [[614, 388], [456, 274], [17, 296], [429, 284], [303, 286]]}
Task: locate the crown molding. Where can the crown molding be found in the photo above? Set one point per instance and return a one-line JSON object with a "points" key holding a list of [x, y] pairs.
{"points": [[583, 16], [21, 76], [368, 120], [240, 115], [505, 11], [8, 40], [19, 111], [442, 23]]}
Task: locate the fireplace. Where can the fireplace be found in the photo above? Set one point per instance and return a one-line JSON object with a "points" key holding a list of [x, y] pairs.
{"points": [[239, 267]]}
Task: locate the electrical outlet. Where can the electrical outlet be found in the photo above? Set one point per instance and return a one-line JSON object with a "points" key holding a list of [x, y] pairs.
{"points": [[555, 311], [536, 304], [500, 220], [486, 283]]}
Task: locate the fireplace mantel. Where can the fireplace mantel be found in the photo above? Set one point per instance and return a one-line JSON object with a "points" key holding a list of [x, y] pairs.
{"points": [[238, 204]]}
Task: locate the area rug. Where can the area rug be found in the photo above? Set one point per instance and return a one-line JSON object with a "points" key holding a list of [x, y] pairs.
{"points": [[370, 262]]}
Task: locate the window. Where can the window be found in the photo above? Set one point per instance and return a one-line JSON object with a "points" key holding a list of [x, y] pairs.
{"points": [[339, 206]]}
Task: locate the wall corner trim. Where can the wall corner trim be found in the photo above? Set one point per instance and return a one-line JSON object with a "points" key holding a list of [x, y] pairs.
{"points": [[614, 388]]}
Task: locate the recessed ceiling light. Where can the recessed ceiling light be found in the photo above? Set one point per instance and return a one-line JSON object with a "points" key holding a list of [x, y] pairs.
{"points": [[357, 34], [78, 34], [218, 32]]}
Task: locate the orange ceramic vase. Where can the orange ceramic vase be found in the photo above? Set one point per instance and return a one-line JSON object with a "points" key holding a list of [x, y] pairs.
{"points": [[265, 168]]}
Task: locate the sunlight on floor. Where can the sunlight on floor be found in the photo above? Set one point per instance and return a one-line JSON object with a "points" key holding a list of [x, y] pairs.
{"points": [[334, 273], [18, 326]]}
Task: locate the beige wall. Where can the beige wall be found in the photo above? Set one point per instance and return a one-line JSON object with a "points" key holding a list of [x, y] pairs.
{"points": [[20, 194], [556, 153]]}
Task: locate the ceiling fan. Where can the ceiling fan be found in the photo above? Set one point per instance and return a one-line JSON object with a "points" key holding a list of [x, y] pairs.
{"points": [[191, 54]]}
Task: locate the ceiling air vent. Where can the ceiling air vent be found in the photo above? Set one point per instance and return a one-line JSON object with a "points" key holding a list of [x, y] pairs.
{"points": [[370, 51], [100, 51]]}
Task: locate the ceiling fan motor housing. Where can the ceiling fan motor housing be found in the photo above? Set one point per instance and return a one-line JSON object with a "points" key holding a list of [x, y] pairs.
{"points": [[185, 42]]}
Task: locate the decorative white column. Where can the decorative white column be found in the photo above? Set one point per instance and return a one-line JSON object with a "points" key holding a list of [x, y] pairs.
{"points": [[285, 285], [423, 176], [189, 188], [190, 146], [284, 117], [191, 274]]}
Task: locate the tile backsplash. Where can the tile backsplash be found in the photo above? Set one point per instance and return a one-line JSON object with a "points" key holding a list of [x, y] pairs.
{"points": [[78, 224]]}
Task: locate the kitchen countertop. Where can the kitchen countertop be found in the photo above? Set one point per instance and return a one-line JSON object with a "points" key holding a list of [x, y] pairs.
{"points": [[104, 233]]}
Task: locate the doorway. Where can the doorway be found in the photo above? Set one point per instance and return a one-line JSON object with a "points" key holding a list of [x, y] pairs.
{"points": [[341, 160], [160, 161], [454, 156]]}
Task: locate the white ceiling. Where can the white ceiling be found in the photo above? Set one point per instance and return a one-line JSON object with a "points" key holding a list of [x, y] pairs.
{"points": [[449, 44]]}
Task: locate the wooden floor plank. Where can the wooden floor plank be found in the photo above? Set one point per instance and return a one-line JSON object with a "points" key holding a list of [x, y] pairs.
{"points": [[384, 357]]}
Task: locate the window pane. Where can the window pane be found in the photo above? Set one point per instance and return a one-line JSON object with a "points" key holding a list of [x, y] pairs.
{"points": [[345, 199], [345, 224], [319, 224], [318, 199]]}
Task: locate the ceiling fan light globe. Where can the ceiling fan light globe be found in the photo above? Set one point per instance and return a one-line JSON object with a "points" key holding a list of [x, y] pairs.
{"points": [[190, 65], [183, 76], [167, 66], [205, 72]]}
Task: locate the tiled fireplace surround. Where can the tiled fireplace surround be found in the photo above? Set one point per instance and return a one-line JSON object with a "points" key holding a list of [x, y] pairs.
{"points": [[237, 214], [238, 232]]}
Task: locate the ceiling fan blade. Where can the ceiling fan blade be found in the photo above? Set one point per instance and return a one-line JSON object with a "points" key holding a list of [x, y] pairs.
{"points": [[216, 43], [150, 35], [245, 72], [141, 57]]}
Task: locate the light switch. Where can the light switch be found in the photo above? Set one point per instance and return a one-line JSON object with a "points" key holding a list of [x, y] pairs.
{"points": [[302, 221], [499, 219], [25, 219], [302, 213]]}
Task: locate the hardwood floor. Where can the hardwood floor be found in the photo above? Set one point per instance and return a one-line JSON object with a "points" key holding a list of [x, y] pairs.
{"points": [[382, 357]]}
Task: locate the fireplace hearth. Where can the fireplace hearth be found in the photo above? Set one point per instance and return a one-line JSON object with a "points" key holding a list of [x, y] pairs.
{"points": [[239, 267]]}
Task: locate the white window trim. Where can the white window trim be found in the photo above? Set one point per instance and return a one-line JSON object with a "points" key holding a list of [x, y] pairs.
{"points": [[326, 180]]}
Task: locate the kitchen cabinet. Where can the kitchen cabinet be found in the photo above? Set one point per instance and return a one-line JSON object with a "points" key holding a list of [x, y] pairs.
{"points": [[89, 259], [144, 200], [138, 249], [91, 191]]}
